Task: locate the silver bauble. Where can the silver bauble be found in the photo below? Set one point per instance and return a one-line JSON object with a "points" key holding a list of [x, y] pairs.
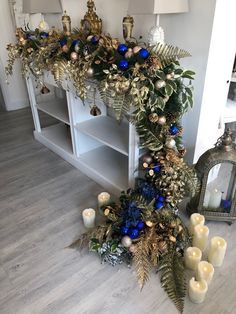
{"points": [[77, 48], [126, 241], [170, 143], [90, 72], [74, 56], [162, 120], [160, 84], [136, 49]]}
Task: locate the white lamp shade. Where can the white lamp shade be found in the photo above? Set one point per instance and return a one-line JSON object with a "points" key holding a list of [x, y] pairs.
{"points": [[42, 6], [157, 6]]}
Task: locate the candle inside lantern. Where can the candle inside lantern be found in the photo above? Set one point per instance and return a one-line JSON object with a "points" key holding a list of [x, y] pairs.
{"points": [[207, 199], [215, 199], [197, 290], [192, 257], [104, 198], [200, 236], [89, 215], [205, 271], [217, 251], [195, 219]]}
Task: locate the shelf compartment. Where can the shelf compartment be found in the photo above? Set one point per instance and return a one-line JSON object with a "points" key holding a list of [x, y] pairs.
{"points": [[107, 131], [56, 108], [57, 136], [230, 111], [233, 78], [106, 164]]}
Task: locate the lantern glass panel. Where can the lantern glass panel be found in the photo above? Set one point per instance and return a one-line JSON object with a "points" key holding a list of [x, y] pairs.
{"points": [[220, 190]]}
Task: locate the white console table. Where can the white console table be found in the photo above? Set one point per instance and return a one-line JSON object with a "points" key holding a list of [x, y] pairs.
{"points": [[99, 146]]}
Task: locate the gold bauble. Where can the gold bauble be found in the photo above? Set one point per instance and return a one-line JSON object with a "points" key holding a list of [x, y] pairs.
{"points": [[153, 117], [145, 165], [77, 48], [129, 53], [151, 173], [149, 224]]}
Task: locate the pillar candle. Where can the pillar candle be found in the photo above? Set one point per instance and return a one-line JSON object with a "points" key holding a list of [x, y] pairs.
{"points": [[192, 257], [195, 219], [215, 199], [104, 198], [217, 250], [89, 215], [205, 271], [197, 290], [200, 237], [206, 199]]}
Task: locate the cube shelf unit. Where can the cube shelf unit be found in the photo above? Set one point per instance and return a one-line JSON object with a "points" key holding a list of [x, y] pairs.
{"points": [[102, 148]]}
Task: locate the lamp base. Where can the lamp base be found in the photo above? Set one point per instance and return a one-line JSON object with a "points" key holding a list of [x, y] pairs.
{"points": [[156, 35]]}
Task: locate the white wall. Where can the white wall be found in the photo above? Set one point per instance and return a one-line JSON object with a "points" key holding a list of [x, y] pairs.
{"points": [[192, 31], [15, 95]]}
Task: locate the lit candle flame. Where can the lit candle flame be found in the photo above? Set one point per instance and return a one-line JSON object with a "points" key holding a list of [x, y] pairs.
{"points": [[198, 285], [205, 268], [194, 253], [218, 242]]}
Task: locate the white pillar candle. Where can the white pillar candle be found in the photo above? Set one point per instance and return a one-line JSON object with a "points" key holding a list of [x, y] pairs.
{"points": [[195, 219], [205, 271], [215, 199], [217, 250], [192, 257], [197, 290], [206, 199], [104, 198], [200, 236], [89, 215]]}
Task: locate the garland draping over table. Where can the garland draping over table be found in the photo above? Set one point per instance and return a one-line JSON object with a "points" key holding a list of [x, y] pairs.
{"points": [[146, 85]]}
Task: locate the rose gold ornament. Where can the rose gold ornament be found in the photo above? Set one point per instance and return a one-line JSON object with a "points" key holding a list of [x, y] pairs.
{"points": [[136, 49], [162, 120], [170, 143], [147, 159], [90, 72], [132, 248], [65, 48]]}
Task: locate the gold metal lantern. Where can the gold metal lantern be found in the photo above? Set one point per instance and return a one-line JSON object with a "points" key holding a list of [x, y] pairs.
{"points": [[216, 170], [91, 23]]}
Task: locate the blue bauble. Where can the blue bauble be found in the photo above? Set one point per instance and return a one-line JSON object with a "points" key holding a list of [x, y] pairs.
{"points": [[94, 40], [226, 204], [75, 42], [124, 230], [140, 226], [161, 199], [122, 49], [44, 35], [173, 130], [133, 233], [158, 204], [157, 168], [123, 65], [62, 42], [144, 53]]}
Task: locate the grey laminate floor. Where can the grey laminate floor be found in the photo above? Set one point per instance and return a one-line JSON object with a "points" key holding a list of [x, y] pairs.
{"points": [[41, 199]]}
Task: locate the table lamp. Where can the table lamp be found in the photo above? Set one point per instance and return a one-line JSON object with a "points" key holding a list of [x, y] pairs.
{"points": [[157, 7], [41, 7]]}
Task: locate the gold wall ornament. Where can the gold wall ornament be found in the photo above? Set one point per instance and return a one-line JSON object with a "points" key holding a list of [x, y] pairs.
{"points": [[66, 23], [91, 23], [128, 25]]}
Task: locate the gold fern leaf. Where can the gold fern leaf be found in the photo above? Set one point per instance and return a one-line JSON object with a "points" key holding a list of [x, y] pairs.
{"points": [[168, 54], [173, 278], [141, 261], [59, 71]]}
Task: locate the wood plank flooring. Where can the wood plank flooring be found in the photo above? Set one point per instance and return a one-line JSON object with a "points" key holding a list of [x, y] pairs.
{"points": [[41, 199]]}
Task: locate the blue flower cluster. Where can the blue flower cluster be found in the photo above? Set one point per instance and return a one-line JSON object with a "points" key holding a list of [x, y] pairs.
{"points": [[132, 223], [148, 191]]}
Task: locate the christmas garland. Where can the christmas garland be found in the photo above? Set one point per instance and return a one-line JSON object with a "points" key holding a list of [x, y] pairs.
{"points": [[148, 86]]}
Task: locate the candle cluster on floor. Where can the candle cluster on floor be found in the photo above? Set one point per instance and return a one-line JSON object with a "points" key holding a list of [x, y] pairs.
{"points": [[204, 270]]}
